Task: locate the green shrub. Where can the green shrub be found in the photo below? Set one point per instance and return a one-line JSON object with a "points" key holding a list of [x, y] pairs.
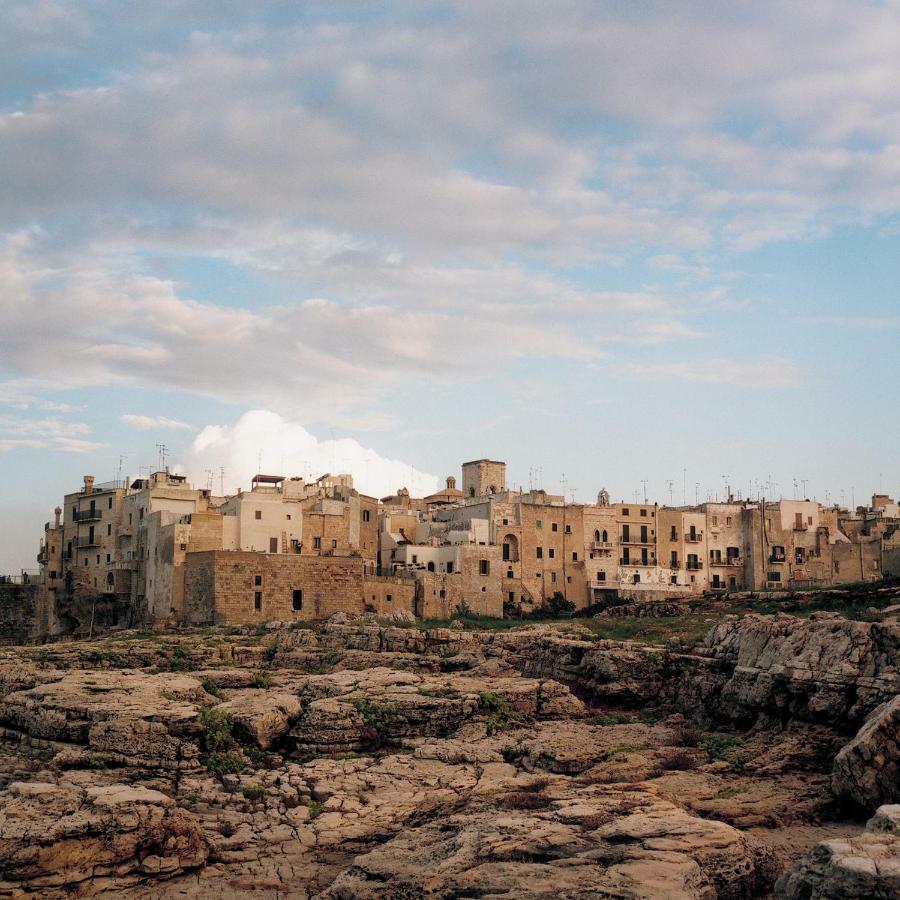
{"points": [[262, 680], [217, 728], [99, 761], [270, 651], [718, 745], [227, 762], [253, 791], [500, 714], [610, 719], [378, 717]]}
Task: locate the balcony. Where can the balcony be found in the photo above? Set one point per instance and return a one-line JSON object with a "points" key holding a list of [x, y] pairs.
{"points": [[727, 561], [645, 543], [88, 515], [636, 562], [83, 543], [776, 558], [801, 526], [694, 566], [600, 545], [675, 564], [694, 537]]}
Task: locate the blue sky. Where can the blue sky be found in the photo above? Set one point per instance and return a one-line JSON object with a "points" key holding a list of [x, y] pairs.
{"points": [[608, 242]]}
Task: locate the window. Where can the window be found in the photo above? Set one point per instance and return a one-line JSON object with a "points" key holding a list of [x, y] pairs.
{"points": [[674, 535], [551, 553], [297, 600], [109, 504], [715, 520], [506, 521], [511, 596], [605, 537], [317, 543], [449, 568], [673, 579], [257, 514], [674, 558], [367, 515], [643, 534], [728, 520], [554, 527], [568, 529], [53, 574], [637, 578], [108, 530], [624, 512], [644, 513], [183, 546], [553, 577], [539, 552], [538, 523], [484, 567], [430, 567], [108, 557], [601, 576], [288, 517], [415, 558], [257, 600], [626, 559], [626, 534], [257, 580], [389, 597], [774, 576], [574, 557]]}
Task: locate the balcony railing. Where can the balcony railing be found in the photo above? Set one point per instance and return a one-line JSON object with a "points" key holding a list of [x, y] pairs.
{"points": [[777, 558], [674, 564], [88, 515], [645, 541], [601, 545], [693, 566], [726, 561], [83, 543], [694, 538], [800, 526]]}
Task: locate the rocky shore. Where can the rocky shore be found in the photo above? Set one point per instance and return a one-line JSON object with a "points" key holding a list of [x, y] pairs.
{"points": [[367, 759]]}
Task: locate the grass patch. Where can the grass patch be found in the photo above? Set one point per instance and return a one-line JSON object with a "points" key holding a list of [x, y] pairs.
{"points": [[729, 792], [610, 719]]}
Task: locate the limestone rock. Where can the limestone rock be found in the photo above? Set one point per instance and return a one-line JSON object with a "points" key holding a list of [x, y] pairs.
{"points": [[263, 716], [866, 867], [867, 770], [58, 836]]}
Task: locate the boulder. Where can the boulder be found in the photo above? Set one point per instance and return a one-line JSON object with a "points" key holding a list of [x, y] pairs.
{"points": [[866, 867], [57, 836], [867, 770]]}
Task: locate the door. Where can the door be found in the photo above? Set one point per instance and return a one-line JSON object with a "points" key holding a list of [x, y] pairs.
{"points": [[273, 545]]}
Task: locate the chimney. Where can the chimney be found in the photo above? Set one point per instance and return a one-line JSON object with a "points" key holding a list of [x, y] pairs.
{"points": [[88, 484], [57, 513]]}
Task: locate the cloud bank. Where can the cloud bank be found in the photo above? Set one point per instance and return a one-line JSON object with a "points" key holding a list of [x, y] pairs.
{"points": [[263, 441]]}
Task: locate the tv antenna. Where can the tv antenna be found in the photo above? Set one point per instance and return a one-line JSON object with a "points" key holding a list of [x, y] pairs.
{"points": [[669, 482], [163, 450], [644, 483]]}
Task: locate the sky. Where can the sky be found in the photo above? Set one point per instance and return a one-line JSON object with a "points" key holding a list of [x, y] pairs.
{"points": [[634, 245]]}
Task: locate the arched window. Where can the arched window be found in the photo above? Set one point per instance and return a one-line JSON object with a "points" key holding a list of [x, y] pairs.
{"points": [[605, 537], [431, 567], [110, 579], [597, 535]]}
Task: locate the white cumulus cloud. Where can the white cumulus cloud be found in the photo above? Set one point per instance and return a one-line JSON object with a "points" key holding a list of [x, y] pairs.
{"points": [[262, 440]]}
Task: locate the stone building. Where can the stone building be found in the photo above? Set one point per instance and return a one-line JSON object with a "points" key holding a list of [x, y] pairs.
{"points": [[157, 549]]}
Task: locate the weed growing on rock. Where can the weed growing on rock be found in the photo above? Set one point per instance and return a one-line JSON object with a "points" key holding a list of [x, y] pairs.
{"points": [[213, 689], [610, 719], [377, 719], [728, 793], [270, 651], [315, 809], [262, 680], [500, 714]]}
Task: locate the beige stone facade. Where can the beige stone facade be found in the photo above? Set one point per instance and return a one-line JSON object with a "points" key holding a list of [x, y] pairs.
{"points": [[157, 549]]}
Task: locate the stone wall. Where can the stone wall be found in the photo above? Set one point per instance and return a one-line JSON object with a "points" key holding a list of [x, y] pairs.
{"points": [[221, 586], [17, 612], [386, 594]]}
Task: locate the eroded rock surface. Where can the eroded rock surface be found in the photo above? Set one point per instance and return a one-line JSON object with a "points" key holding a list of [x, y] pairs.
{"points": [[358, 759]]}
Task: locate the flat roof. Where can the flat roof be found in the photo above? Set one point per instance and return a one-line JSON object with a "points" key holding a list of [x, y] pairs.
{"points": [[267, 479], [498, 462]]}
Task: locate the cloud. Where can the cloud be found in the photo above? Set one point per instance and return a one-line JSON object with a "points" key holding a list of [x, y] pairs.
{"points": [[148, 423], [262, 440], [49, 433], [762, 374]]}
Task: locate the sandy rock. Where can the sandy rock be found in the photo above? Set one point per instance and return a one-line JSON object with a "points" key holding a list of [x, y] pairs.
{"points": [[263, 716]]}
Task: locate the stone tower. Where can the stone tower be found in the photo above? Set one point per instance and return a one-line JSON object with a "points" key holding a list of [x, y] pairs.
{"points": [[482, 477]]}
